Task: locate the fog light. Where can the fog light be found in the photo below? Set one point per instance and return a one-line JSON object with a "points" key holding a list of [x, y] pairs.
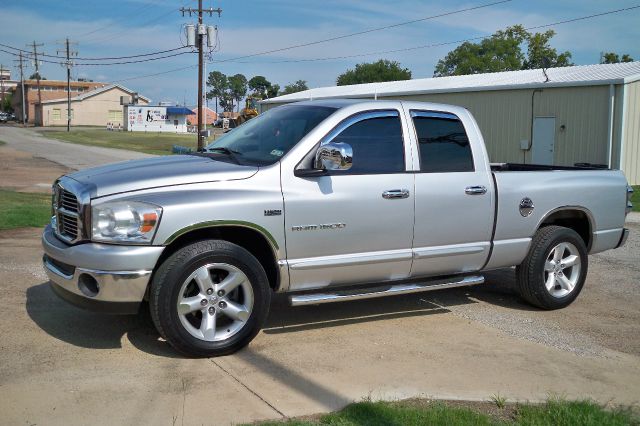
{"points": [[88, 285]]}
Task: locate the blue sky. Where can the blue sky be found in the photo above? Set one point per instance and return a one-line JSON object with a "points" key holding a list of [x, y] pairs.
{"points": [[129, 27]]}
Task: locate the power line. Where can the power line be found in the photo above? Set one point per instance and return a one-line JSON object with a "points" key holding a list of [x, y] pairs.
{"points": [[370, 30], [97, 58], [425, 46], [102, 63]]}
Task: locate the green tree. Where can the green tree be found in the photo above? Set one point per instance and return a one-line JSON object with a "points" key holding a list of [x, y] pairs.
{"points": [[6, 104], [219, 84], [503, 51], [382, 70], [34, 76], [238, 88], [298, 86], [273, 91], [227, 101], [541, 55], [259, 86], [614, 58]]}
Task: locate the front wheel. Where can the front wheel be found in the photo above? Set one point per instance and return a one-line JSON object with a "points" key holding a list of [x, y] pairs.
{"points": [[553, 273], [209, 298]]}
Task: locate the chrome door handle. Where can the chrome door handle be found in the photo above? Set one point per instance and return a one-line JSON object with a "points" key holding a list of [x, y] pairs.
{"points": [[395, 193], [475, 190]]}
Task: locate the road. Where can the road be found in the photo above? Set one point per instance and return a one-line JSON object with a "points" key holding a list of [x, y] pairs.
{"points": [[72, 156], [62, 365]]}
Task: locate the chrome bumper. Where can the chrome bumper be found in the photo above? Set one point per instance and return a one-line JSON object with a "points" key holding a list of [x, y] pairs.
{"points": [[101, 277]]}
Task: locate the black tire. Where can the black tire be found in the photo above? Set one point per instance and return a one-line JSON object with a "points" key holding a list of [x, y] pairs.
{"points": [[530, 273], [173, 272]]}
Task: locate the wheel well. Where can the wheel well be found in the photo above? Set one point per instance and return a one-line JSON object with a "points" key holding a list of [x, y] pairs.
{"points": [[574, 219], [249, 239]]}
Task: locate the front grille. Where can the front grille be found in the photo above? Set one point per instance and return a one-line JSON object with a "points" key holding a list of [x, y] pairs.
{"points": [[68, 214]]}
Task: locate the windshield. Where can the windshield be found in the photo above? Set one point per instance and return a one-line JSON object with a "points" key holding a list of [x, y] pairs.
{"points": [[265, 139]]}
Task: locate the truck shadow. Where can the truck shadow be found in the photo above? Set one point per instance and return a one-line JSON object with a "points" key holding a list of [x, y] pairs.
{"points": [[92, 330]]}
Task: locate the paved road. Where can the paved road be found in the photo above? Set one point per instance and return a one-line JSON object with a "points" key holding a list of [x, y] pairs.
{"points": [[73, 156]]}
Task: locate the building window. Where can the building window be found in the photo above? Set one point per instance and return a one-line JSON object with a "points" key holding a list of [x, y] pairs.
{"points": [[71, 115], [55, 114], [115, 115]]}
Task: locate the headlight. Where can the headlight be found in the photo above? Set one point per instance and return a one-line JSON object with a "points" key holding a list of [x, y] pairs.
{"points": [[124, 222]]}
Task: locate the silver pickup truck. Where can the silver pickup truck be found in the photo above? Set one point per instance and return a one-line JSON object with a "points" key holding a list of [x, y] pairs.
{"points": [[328, 201]]}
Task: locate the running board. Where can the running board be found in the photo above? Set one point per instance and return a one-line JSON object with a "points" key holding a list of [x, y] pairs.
{"points": [[367, 293]]}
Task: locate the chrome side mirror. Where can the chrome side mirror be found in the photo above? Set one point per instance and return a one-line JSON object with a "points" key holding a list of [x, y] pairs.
{"points": [[334, 156]]}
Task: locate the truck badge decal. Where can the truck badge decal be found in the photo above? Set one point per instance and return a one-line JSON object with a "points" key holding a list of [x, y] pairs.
{"points": [[272, 212], [323, 226]]}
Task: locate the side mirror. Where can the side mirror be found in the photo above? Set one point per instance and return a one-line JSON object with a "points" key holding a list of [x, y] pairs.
{"points": [[334, 156]]}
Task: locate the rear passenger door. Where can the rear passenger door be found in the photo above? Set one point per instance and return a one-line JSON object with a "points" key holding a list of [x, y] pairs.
{"points": [[454, 214]]}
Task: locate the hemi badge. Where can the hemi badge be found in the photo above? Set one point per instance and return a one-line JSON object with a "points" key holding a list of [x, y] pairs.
{"points": [[272, 212]]}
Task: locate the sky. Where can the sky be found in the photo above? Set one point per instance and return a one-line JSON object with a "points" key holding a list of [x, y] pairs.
{"points": [[132, 27]]}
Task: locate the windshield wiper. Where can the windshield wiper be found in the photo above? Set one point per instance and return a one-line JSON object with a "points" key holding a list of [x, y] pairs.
{"points": [[224, 150]]}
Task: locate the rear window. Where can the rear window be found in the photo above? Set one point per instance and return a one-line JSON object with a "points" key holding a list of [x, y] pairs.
{"points": [[443, 142]]}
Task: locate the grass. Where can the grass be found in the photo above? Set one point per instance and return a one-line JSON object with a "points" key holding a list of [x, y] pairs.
{"points": [[554, 412], [635, 198], [150, 143], [2, 143], [21, 209]]}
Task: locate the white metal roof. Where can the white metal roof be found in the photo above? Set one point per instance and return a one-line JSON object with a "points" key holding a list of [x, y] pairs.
{"points": [[583, 75], [94, 92]]}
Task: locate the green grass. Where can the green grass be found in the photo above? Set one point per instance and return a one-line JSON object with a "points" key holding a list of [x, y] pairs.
{"points": [[554, 412], [150, 143], [21, 209], [635, 198], [2, 143]]}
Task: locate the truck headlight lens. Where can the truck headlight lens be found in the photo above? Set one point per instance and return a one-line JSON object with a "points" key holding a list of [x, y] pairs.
{"points": [[124, 222]]}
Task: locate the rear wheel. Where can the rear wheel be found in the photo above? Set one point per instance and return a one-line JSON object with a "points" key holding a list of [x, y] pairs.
{"points": [[553, 273], [209, 298]]}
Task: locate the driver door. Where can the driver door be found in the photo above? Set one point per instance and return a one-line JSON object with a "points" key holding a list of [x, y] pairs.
{"points": [[353, 226]]}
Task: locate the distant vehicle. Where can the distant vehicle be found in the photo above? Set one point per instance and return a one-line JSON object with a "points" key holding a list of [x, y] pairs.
{"points": [[4, 117], [328, 201]]}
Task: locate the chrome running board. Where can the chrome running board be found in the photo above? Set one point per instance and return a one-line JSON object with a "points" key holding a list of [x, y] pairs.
{"points": [[394, 289]]}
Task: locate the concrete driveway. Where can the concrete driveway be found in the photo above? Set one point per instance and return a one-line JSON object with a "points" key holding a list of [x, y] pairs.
{"points": [[62, 365]]}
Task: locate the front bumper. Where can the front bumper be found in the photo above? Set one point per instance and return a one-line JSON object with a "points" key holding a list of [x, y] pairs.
{"points": [[101, 277]]}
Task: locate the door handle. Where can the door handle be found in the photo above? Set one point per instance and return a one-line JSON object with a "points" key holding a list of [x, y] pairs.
{"points": [[475, 190], [395, 193]]}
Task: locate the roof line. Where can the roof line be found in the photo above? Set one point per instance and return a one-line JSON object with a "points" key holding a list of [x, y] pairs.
{"points": [[94, 92]]}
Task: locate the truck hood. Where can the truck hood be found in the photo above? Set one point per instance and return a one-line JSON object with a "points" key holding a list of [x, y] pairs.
{"points": [[157, 172]]}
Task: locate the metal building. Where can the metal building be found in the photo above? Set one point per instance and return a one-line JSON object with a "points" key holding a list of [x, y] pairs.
{"points": [[561, 116]]}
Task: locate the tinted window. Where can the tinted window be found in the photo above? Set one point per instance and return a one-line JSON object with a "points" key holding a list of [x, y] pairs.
{"points": [[377, 145], [444, 146], [265, 139]]}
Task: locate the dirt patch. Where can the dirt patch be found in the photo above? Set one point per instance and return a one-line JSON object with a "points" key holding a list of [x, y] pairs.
{"points": [[25, 172]]}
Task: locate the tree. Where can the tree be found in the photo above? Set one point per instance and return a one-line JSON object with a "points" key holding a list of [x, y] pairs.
{"points": [[614, 58], [298, 86], [273, 91], [226, 101], [259, 86], [541, 55], [238, 88], [219, 85], [34, 76], [383, 70], [6, 104], [503, 52]]}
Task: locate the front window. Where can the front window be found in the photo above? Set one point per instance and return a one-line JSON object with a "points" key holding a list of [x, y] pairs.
{"points": [[265, 139]]}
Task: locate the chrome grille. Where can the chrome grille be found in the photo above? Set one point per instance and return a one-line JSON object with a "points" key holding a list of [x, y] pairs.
{"points": [[68, 214]]}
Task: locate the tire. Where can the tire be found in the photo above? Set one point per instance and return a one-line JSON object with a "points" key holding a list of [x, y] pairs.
{"points": [[545, 282], [209, 321]]}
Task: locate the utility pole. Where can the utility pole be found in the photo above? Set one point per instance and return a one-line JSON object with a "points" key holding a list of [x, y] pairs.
{"points": [[68, 63], [2, 70], [36, 64], [21, 65], [201, 31]]}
